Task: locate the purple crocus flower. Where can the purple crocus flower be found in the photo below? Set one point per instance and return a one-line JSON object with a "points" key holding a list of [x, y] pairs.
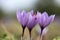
{"points": [[44, 20], [31, 21], [22, 19]]}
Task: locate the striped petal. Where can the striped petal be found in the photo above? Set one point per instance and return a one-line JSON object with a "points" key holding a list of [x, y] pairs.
{"points": [[31, 22], [39, 18], [22, 17], [44, 18]]}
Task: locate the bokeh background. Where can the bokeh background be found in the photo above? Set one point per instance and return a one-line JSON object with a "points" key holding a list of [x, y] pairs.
{"points": [[10, 29]]}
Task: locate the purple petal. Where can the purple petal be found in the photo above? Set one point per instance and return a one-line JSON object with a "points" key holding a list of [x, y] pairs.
{"points": [[23, 13], [45, 13], [51, 18], [18, 15], [38, 14], [31, 12], [22, 18], [39, 18], [31, 22], [44, 18]]}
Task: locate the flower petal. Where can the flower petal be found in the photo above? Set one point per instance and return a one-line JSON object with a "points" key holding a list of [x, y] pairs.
{"points": [[44, 31], [31, 22], [31, 13], [39, 18], [22, 17], [45, 13], [18, 15], [51, 18], [38, 14], [44, 18], [23, 13]]}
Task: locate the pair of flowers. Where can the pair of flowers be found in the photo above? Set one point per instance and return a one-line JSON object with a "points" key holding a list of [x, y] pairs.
{"points": [[30, 19]]}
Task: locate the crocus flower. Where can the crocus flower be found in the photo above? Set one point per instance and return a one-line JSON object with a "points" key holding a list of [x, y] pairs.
{"points": [[22, 19], [44, 20], [31, 22]]}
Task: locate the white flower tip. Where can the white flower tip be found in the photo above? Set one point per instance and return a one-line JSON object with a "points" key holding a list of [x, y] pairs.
{"points": [[54, 15]]}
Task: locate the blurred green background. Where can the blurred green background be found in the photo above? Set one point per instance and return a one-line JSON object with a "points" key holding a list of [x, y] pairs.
{"points": [[10, 29]]}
